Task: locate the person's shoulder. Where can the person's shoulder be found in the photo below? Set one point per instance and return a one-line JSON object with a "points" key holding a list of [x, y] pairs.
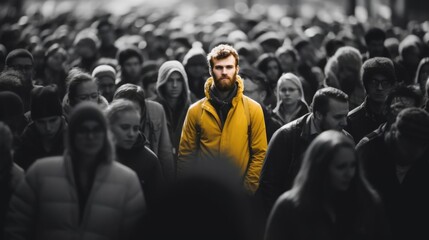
{"points": [[151, 104], [356, 112]]}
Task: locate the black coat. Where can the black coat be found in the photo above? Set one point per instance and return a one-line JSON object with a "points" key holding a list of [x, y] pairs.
{"points": [[406, 203]]}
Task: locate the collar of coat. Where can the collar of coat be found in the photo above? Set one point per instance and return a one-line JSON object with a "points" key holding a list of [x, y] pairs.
{"points": [[210, 81]]}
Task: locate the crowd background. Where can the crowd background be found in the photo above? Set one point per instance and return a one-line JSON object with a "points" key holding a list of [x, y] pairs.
{"points": [[142, 68]]}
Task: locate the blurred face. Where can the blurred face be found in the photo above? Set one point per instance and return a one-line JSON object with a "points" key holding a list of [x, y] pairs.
{"points": [[348, 77], [25, 66], [424, 74], [132, 67], [342, 169], [107, 87], [336, 117], [376, 48], [287, 63], [253, 91], [106, 35], [273, 71], [400, 103], [411, 56], [411, 149], [174, 85], [56, 61], [289, 93], [85, 50], [224, 73], [197, 70], [48, 127], [126, 129], [89, 138], [87, 91], [378, 88]]}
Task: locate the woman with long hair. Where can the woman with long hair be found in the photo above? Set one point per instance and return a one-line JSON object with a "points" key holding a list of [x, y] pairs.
{"points": [[330, 198], [83, 194]]}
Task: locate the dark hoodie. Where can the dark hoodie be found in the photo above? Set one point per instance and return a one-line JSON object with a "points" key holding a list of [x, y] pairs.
{"points": [[146, 165], [196, 57], [176, 116]]}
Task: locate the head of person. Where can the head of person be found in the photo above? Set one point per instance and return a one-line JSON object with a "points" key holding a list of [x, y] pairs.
{"points": [[88, 136], [223, 66], [81, 87], [422, 74], [55, 58], [22, 61], [105, 77], [270, 66], [86, 44], [106, 32], [195, 63], [12, 80], [378, 76], [130, 60], [409, 135], [374, 39], [46, 111], [330, 107], [6, 149], [288, 58], [400, 98], [343, 69], [289, 90], [255, 84], [124, 119], [332, 45], [305, 50], [329, 166], [133, 93], [149, 84], [410, 51], [172, 83]]}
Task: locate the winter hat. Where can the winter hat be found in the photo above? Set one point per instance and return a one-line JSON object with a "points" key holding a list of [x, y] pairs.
{"points": [[18, 53], [83, 112], [195, 56], [45, 102], [104, 71], [413, 123], [378, 65], [10, 105]]}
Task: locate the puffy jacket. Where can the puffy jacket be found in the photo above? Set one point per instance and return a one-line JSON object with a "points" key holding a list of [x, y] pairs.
{"points": [[46, 205], [231, 141]]}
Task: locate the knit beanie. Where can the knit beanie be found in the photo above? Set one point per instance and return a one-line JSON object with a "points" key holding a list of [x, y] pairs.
{"points": [[413, 123], [10, 105], [104, 71], [45, 103], [18, 53], [378, 65]]}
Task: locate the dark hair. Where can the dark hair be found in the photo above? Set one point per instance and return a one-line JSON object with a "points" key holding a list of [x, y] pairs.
{"points": [[103, 22], [321, 99], [255, 76], [127, 53], [374, 34], [133, 93], [74, 78], [332, 45], [402, 90]]}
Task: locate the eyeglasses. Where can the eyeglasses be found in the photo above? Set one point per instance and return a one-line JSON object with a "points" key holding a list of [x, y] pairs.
{"points": [[376, 83], [22, 67], [86, 97]]}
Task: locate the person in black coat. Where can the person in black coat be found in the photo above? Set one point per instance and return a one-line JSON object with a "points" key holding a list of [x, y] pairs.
{"points": [[124, 119]]}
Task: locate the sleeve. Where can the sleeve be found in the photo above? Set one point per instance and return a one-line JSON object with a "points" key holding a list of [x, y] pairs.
{"points": [[21, 216], [188, 141], [281, 221], [258, 147], [165, 150], [134, 209], [275, 169]]}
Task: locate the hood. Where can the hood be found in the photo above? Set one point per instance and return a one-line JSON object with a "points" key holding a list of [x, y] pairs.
{"points": [[195, 56], [164, 73], [210, 82], [423, 62]]}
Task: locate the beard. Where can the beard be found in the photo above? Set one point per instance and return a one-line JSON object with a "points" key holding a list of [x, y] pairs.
{"points": [[225, 83]]}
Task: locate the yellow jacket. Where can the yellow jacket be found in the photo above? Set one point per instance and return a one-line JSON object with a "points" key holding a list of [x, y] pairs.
{"points": [[231, 142]]}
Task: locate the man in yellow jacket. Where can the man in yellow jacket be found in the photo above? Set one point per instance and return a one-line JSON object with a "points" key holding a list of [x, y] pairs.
{"points": [[215, 127]]}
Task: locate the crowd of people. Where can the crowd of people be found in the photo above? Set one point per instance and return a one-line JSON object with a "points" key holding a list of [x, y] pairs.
{"points": [[246, 127]]}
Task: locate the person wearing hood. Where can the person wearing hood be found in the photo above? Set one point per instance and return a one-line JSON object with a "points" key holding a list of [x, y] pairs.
{"points": [[174, 95], [43, 136], [124, 121], [215, 127], [196, 69]]}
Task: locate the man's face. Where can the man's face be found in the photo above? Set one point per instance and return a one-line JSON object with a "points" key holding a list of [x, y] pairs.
{"points": [[132, 67], [378, 88], [376, 48], [336, 116], [48, 127], [253, 91], [411, 149], [107, 88], [106, 35], [174, 85], [224, 73], [24, 66]]}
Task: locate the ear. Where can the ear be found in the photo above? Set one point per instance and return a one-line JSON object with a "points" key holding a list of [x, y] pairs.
{"points": [[238, 69], [318, 116]]}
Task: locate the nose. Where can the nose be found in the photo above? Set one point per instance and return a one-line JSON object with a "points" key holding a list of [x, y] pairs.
{"points": [[174, 83], [48, 127], [379, 86]]}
